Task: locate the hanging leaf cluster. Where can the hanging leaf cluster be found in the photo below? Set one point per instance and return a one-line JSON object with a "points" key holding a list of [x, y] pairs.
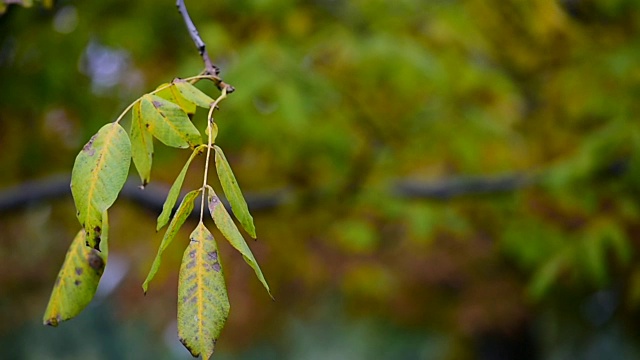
{"points": [[99, 174]]}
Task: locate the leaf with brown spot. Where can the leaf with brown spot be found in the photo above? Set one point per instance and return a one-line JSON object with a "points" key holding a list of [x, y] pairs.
{"points": [[168, 122], [203, 304], [192, 93], [99, 173], [171, 93], [230, 231], [76, 283], [179, 218]]}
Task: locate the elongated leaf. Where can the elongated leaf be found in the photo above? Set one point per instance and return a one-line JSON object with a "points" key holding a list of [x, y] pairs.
{"points": [[172, 197], [228, 228], [203, 305], [171, 93], [76, 283], [168, 122], [192, 93], [98, 175], [185, 208], [141, 145], [233, 193]]}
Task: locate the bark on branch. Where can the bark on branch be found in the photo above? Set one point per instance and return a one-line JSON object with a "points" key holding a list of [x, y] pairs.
{"points": [[210, 68]]}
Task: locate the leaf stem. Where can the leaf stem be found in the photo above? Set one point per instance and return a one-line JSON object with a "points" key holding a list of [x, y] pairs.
{"points": [[214, 105]]}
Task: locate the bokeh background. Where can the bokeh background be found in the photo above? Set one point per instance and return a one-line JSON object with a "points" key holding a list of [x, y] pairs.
{"points": [[443, 179]]}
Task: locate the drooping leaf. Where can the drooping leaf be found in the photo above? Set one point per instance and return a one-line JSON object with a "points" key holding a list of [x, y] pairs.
{"points": [[203, 305], [98, 175], [171, 93], [185, 208], [172, 196], [233, 193], [76, 283], [141, 145], [192, 93], [228, 228], [168, 122]]}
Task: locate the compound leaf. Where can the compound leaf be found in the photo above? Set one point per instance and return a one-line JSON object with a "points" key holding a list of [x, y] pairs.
{"points": [[76, 283], [228, 228], [99, 173], [168, 122], [233, 193], [185, 208], [203, 305], [141, 145], [192, 93], [174, 191]]}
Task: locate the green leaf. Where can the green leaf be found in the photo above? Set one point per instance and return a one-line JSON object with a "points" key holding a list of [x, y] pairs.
{"points": [[171, 93], [185, 208], [168, 122], [141, 145], [172, 196], [76, 283], [228, 228], [233, 193], [98, 175], [193, 94], [203, 305]]}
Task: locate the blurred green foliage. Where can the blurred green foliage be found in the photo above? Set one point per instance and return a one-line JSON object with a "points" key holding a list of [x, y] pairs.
{"points": [[336, 102]]}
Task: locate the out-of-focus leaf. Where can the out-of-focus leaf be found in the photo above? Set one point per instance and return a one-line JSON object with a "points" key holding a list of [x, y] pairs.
{"points": [[544, 278], [233, 193], [98, 175], [193, 94], [185, 208], [168, 122], [172, 196], [228, 228], [76, 283], [203, 305], [141, 145]]}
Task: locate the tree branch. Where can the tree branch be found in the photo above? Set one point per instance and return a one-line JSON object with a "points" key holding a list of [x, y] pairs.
{"points": [[153, 196], [209, 68]]}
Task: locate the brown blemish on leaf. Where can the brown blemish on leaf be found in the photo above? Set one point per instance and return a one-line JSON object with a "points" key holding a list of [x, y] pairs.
{"points": [[88, 148], [156, 104], [213, 256], [191, 350], [191, 264], [77, 282], [192, 253], [96, 262], [79, 270], [58, 279], [216, 267]]}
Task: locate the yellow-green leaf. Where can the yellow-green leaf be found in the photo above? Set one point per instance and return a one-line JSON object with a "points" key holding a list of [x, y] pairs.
{"points": [[185, 208], [233, 193], [168, 122], [203, 305], [192, 93], [98, 175], [171, 93], [228, 228], [172, 196], [141, 145], [76, 283]]}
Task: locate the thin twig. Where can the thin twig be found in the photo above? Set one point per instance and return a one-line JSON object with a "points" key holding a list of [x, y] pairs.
{"points": [[209, 67]]}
